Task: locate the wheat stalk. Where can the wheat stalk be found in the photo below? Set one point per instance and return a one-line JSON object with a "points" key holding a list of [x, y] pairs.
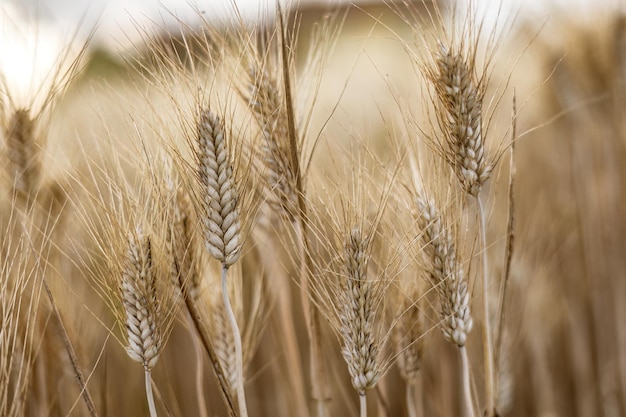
{"points": [[221, 217], [461, 95], [447, 277], [270, 97]]}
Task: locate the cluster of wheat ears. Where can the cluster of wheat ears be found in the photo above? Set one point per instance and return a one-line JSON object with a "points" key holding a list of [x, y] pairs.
{"points": [[230, 224]]}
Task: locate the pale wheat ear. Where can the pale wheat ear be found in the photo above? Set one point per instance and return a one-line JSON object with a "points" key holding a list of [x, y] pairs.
{"points": [[130, 234], [448, 278], [351, 279]]}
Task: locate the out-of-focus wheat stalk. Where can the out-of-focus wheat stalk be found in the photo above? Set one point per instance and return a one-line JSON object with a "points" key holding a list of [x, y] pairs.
{"points": [[271, 97], [447, 277], [459, 103], [220, 217]]}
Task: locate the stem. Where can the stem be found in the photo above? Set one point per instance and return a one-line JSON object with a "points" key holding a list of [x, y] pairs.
{"points": [[465, 375], [149, 395], [410, 400], [413, 390], [487, 347], [200, 378], [318, 370], [295, 376], [201, 329], [363, 403], [241, 396], [71, 353]]}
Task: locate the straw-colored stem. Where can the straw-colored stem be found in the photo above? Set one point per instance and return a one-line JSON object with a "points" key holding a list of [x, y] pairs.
{"points": [[486, 328], [363, 405], [241, 396], [467, 389], [149, 395], [71, 354], [311, 315], [295, 374], [200, 378], [201, 329], [414, 398]]}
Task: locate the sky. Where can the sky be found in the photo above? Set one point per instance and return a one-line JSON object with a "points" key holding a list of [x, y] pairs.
{"points": [[32, 32]]}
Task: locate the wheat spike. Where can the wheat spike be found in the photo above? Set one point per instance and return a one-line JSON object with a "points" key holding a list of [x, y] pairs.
{"points": [[461, 97], [220, 198], [357, 315], [139, 297], [22, 154], [446, 274], [266, 102]]}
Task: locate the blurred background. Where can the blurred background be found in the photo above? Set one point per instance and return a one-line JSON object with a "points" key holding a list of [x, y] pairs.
{"points": [[566, 60]]}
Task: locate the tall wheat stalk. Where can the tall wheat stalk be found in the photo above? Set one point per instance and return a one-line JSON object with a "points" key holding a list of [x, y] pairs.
{"points": [[459, 106], [221, 217], [271, 99]]}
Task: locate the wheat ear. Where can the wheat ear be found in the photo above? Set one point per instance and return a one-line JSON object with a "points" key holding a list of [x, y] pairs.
{"points": [[221, 218], [461, 98], [357, 315], [448, 278], [139, 296], [22, 155]]}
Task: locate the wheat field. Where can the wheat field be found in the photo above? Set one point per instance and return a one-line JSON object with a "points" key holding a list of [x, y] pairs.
{"points": [[384, 209]]}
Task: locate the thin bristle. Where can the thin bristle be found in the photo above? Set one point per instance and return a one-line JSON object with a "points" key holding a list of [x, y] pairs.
{"points": [[139, 296], [220, 197]]}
